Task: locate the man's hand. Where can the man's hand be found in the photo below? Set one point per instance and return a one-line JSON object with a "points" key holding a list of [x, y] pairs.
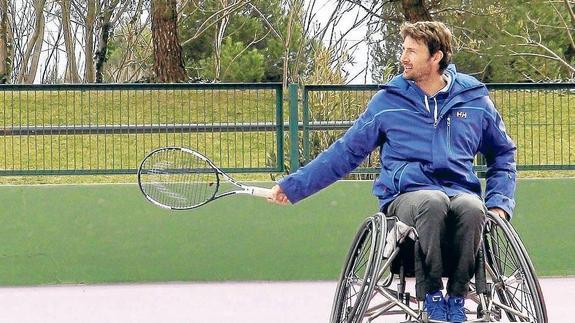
{"points": [[278, 196], [500, 212]]}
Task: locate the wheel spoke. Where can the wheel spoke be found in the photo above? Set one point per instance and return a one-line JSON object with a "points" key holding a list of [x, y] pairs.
{"points": [[513, 280], [356, 283]]}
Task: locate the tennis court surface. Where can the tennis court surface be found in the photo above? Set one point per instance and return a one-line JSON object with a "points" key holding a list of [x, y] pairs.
{"points": [[204, 302]]}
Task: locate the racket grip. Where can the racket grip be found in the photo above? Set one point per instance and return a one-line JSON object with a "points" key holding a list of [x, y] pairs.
{"points": [[261, 192]]}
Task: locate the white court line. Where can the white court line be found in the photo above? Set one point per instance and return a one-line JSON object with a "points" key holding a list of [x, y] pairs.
{"points": [[254, 302]]}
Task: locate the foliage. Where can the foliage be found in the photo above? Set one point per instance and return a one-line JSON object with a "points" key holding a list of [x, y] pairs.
{"points": [[129, 60], [322, 70], [238, 64], [387, 51], [495, 40], [489, 40], [260, 26]]}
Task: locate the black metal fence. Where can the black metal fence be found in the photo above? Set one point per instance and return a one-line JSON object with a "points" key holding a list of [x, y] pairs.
{"points": [[108, 128], [540, 118]]}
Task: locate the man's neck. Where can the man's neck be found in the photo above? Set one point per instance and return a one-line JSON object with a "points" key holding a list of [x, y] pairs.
{"points": [[432, 85]]}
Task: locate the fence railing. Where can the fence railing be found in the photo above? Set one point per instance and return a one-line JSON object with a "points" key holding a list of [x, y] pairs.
{"points": [[540, 118], [108, 128]]}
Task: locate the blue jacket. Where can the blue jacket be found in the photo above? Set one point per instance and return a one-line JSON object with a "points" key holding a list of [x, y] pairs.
{"points": [[425, 143]]}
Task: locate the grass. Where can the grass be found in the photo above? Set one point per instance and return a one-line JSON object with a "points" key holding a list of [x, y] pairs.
{"points": [[542, 124], [125, 151], [238, 149], [92, 107]]}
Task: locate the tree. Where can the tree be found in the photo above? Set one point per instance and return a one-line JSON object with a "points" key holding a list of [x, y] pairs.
{"points": [[89, 20], [206, 24], [71, 74], [110, 15], [239, 63], [546, 37], [108, 7], [130, 51], [5, 43], [31, 56], [168, 63], [502, 41], [415, 10]]}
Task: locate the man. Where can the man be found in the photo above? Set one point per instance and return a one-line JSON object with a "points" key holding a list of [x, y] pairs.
{"points": [[429, 123]]}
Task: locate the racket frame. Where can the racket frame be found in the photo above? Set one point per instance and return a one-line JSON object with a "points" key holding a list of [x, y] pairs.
{"points": [[244, 189]]}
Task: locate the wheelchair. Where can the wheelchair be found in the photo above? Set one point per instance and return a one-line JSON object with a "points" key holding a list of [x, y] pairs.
{"points": [[382, 260]]}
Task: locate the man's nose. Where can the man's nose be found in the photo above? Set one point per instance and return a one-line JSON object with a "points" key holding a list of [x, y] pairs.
{"points": [[403, 58]]}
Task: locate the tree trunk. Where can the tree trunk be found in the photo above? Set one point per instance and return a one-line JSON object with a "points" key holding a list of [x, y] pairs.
{"points": [[415, 10], [34, 46], [5, 44], [89, 42], [31, 75], [168, 62], [71, 75], [219, 39], [105, 30]]}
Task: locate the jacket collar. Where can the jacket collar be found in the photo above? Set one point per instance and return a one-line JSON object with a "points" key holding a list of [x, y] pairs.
{"points": [[462, 88]]}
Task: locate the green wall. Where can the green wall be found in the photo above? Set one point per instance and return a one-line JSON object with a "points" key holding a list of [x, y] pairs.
{"points": [[109, 233]]}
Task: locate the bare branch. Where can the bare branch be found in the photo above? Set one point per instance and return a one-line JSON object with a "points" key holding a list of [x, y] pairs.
{"points": [[215, 18], [34, 46], [267, 22], [570, 10], [565, 23], [533, 55], [369, 10], [529, 42], [253, 42], [460, 10]]}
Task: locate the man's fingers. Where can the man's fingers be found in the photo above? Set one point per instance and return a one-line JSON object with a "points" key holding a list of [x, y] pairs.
{"points": [[278, 196], [500, 212]]}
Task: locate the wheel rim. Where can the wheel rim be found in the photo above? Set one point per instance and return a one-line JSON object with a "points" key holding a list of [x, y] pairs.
{"points": [[361, 263], [515, 284]]}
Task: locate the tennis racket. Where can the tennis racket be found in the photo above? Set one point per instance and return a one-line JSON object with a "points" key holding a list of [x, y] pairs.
{"points": [[178, 178]]}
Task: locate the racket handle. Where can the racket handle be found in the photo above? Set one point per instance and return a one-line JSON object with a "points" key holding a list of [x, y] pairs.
{"points": [[261, 192]]}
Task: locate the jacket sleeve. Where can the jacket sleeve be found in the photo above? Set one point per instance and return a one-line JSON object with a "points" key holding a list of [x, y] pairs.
{"points": [[499, 152], [340, 158]]}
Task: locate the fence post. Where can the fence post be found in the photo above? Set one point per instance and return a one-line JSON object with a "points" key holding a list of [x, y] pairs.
{"points": [[280, 127], [293, 127]]}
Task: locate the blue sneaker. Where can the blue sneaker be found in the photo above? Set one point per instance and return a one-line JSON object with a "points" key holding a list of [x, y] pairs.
{"points": [[456, 307], [435, 306]]}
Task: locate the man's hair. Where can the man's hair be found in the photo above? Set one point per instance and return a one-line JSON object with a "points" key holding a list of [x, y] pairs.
{"points": [[434, 34]]}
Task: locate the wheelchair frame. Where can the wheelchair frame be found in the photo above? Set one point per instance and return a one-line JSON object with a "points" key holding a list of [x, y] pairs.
{"points": [[505, 287]]}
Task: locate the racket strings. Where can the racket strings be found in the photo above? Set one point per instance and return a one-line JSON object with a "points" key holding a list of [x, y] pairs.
{"points": [[179, 179]]}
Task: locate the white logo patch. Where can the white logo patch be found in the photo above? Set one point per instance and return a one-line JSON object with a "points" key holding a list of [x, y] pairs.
{"points": [[461, 114]]}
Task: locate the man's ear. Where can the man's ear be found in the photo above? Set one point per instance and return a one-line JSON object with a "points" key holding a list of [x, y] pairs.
{"points": [[437, 57]]}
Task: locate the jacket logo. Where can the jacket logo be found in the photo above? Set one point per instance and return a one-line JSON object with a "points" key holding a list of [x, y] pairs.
{"points": [[461, 114]]}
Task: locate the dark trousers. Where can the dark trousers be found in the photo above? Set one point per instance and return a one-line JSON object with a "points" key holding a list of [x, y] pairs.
{"points": [[449, 232]]}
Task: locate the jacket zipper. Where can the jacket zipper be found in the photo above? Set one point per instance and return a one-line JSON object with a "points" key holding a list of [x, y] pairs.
{"points": [[435, 119], [449, 134]]}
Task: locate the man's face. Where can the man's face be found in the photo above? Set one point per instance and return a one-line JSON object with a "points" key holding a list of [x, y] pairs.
{"points": [[418, 64]]}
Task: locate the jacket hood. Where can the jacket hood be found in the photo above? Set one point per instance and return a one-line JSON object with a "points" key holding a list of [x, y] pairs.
{"points": [[459, 83]]}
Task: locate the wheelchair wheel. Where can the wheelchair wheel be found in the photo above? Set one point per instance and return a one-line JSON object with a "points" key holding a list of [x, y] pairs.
{"points": [[357, 281], [516, 290]]}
